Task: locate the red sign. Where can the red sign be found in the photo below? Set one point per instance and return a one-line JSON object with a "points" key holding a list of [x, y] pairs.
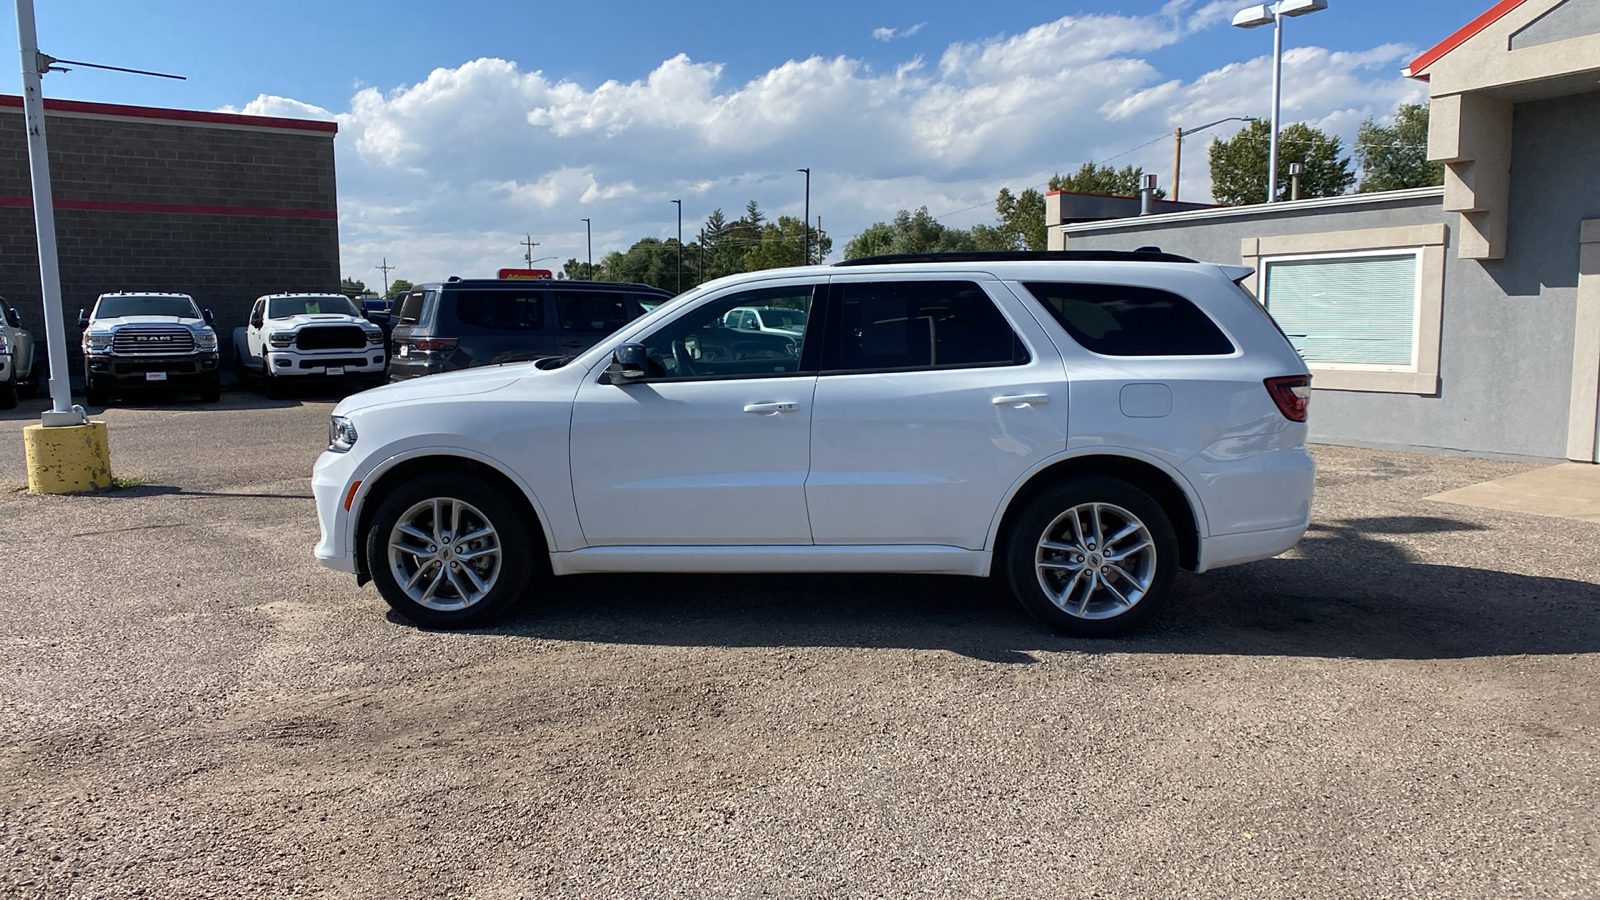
{"points": [[532, 274]]}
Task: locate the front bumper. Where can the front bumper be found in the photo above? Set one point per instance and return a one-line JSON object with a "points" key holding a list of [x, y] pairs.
{"points": [[330, 484], [293, 363], [186, 368], [5, 366]]}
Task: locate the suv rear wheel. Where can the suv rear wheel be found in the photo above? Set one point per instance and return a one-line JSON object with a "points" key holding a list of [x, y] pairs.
{"points": [[1092, 556], [450, 551]]}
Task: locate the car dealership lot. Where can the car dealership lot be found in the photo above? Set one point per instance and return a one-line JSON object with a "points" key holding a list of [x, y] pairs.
{"points": [[189, 706]]}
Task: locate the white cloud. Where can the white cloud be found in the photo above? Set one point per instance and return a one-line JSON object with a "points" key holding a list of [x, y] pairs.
{"points": [[890, 34], [448, 174]]}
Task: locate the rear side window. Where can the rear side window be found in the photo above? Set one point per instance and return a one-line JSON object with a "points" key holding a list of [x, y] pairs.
{"points": [[917, 325], [1121, 320], [601, 312], [502, 310], [411, 308]]}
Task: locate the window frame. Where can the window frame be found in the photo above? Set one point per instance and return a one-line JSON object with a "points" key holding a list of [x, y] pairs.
{"points": [[835, 305], [810, 341], [1427, 241], [1264, 297], [1026, 290]]}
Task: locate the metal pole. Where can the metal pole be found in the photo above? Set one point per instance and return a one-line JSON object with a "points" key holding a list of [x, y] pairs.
{"points": [[805, 223], [588, 239], [680, 245], [62, 412], [1177, 161], [1277, 96]]}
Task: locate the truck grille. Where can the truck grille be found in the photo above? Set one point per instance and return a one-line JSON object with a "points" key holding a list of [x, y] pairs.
{"points": [[146, 339], [331, 337]]}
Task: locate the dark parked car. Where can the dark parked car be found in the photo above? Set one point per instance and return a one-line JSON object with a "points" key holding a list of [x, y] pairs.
{"points": [[463, 323]]}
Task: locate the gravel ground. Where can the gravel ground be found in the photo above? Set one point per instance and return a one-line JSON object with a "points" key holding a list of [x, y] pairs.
{"points": [[1404, 707]]}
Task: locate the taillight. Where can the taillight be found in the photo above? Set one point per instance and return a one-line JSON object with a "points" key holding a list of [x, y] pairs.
{"points": [[433, 345], [1292, 394]]}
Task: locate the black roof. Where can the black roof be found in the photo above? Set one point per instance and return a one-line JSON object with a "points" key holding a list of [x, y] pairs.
{"points": [[1143, 254], [563, 283]]}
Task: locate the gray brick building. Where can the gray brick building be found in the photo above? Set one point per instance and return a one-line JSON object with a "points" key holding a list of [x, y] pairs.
{"points": [[221, 206]]}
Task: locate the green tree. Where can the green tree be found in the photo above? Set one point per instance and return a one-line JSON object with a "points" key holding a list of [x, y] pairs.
{"points": [[399, 286], [579, 271], [651, 261], [1239, 164], [1393, 157], [917, 232], [1096, 179], [1020, 226], [352, 288], [783, 244]]}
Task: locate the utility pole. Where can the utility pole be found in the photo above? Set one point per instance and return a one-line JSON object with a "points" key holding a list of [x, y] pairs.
{"points": [[1177, 160], [700, 267], [588, 239], [805, 223], [680, 245], [386, 270], [530, 243], [819, 239]]}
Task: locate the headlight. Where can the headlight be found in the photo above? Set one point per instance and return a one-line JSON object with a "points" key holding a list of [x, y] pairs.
{"points": [[5, 343], [374, 337], [205, 340], [282, 339], [100, 341], [341, 434]]}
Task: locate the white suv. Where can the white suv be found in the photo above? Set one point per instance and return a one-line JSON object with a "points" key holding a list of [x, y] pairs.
{"points": [[1084, 423]]}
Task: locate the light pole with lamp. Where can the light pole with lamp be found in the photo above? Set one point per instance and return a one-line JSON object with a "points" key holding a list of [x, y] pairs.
{"points": [[805, 223], [1179, 134], [588, 240], [680, 245], [1273, 14]]}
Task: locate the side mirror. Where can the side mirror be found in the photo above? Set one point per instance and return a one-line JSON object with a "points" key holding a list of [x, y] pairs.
{"points": [[206, 314], [13, 318], [255, 322], [83, 320], [627, 364]]}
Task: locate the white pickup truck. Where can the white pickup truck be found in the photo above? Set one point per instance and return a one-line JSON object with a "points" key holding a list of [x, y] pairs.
{"points": [[296, 338], [17, 358]]}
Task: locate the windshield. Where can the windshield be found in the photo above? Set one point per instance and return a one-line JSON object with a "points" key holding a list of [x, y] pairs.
{"points": [[134, 305], [784, 318], [284, 307]]}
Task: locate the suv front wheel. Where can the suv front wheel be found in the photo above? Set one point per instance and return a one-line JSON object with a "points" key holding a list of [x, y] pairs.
{"points": [[1092, 556], [450, 551]]}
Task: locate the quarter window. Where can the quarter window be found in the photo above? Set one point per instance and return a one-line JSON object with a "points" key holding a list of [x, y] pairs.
{"points": [[501, 310], [899, 325], [1355, 311], [1121, 320]]}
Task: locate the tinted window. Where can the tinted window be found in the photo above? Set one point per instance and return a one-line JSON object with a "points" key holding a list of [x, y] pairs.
{"points": [[702, 344], [117, 307], [505, 310], [598, 311], [284, 307], [411, 308], [918, 325], [1118, 320]]}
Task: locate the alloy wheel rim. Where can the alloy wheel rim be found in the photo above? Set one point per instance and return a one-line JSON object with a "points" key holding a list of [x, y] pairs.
{"points": [[444, 554], [1096, 561]]}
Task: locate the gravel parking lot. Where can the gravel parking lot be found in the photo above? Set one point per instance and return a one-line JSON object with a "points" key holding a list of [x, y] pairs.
{"points": [[1404, 707]]}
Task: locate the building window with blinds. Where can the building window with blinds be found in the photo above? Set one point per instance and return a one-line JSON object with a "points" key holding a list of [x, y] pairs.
{"points": [[1352, 311]]}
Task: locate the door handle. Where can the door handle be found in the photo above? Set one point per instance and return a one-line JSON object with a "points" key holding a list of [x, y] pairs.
{"points": [[771, 409], [1022, 400]]}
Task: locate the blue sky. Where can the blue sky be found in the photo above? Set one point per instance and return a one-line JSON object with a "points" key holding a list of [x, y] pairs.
{"points": [[464, 126]]}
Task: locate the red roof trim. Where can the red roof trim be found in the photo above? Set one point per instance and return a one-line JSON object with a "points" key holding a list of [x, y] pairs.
{"points": [[187, 209], [180, 115], [1467, 33]]}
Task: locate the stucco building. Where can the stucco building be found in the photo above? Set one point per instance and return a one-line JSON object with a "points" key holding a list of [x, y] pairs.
{"points": [[1464, 317]]}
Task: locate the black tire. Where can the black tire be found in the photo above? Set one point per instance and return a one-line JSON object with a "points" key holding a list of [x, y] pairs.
{"points": [[518, 544], [1096, 605], [30, 387], [270, 385], [95, 393], [8, 391], [211, 391], [368, 382]]}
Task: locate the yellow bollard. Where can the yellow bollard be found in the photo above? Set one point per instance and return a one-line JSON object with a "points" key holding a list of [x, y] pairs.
{"points": [[67, 459]]}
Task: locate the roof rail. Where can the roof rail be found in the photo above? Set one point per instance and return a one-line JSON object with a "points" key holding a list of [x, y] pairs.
{"points": [[1143, 254]]}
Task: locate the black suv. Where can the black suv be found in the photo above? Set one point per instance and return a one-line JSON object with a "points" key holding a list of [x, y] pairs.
{"points": [[463, 323]]}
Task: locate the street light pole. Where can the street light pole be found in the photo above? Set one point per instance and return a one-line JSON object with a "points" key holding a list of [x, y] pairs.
{"points": [[680, 245], [805, 223], [61, 410], [588, 240], [1273, 14], [1177, 147]]}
